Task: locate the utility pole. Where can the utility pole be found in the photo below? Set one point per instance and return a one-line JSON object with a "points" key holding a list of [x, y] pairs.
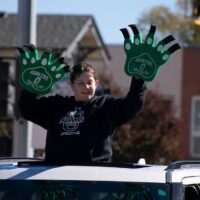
{"points": [[186, 8], [27, 17]]}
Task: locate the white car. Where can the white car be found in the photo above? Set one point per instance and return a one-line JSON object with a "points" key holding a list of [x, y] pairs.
{"points": [[30, 179]]}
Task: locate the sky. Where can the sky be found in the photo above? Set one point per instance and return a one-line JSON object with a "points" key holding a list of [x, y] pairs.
{"points": [[109, 15]]}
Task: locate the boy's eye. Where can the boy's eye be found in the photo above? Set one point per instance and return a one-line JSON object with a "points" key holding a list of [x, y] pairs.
{"points": [[89, 83]]}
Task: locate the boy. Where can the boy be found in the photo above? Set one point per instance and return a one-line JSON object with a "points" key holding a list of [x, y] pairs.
{"points": [[80, 127]]}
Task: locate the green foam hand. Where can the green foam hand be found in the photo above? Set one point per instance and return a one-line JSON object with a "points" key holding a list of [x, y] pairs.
{"points": [[37, 75], [144, 58]]}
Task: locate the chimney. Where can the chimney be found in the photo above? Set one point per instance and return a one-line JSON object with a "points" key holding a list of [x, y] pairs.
{"points": [[3, 14]]}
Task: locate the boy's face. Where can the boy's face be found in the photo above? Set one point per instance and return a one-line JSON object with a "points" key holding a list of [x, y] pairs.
{"points": [[84, 86]]}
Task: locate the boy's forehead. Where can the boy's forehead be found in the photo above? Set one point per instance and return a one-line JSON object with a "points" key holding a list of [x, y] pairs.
{"points": [[85, 75]]}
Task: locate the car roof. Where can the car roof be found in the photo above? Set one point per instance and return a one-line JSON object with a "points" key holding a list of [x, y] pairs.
{"points": [[183, 171], [37, 170], [28, 169], [84, 173]]}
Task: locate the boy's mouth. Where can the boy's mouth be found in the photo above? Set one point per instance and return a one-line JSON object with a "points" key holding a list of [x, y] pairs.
{"points": [[86, 93]]}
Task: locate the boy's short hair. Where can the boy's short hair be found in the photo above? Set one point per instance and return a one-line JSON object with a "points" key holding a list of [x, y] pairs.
{"points": [[80, 68]]}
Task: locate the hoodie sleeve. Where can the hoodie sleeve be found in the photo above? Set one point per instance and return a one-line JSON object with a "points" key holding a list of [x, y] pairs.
{"points": [[125, 109], [34, 109]]}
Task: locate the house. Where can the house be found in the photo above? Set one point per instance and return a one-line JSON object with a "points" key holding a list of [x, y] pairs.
{"points": [[75, 37]]}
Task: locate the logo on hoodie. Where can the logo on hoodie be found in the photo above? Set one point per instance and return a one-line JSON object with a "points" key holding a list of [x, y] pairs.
{"points": [[71, 121]]}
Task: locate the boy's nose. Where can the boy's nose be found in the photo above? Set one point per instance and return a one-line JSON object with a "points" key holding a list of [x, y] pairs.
{"points": [[86, 85]]}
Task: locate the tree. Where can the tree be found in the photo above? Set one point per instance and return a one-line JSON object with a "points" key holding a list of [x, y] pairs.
{"points": [[155, 134], [176, 23], [6, 137]]}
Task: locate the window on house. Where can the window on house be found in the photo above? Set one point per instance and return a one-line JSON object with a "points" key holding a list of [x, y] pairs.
{"points": [[195, 126]]}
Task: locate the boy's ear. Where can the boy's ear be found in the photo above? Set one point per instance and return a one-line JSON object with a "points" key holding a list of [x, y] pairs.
{"points": [[97, 82], [71, 85]]}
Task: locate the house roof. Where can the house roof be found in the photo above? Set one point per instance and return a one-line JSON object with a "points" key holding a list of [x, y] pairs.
{"points": [[55, 31]]}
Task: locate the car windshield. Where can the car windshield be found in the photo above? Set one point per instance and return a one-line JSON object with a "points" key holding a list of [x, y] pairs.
{"points": [[81, 190]]}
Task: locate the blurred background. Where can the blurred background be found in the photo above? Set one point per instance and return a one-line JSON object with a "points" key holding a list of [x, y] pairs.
{"points": [[168, 129]]}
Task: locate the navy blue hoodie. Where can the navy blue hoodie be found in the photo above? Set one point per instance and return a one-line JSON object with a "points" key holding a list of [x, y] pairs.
{"points": [[81, 131]]}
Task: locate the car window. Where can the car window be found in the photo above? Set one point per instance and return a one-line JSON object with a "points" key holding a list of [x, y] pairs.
{"points": [[192, 192], [81, 190]]}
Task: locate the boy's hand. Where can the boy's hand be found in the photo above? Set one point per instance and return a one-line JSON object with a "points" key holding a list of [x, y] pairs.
{"points": [[37, 75], [143, 59]]}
